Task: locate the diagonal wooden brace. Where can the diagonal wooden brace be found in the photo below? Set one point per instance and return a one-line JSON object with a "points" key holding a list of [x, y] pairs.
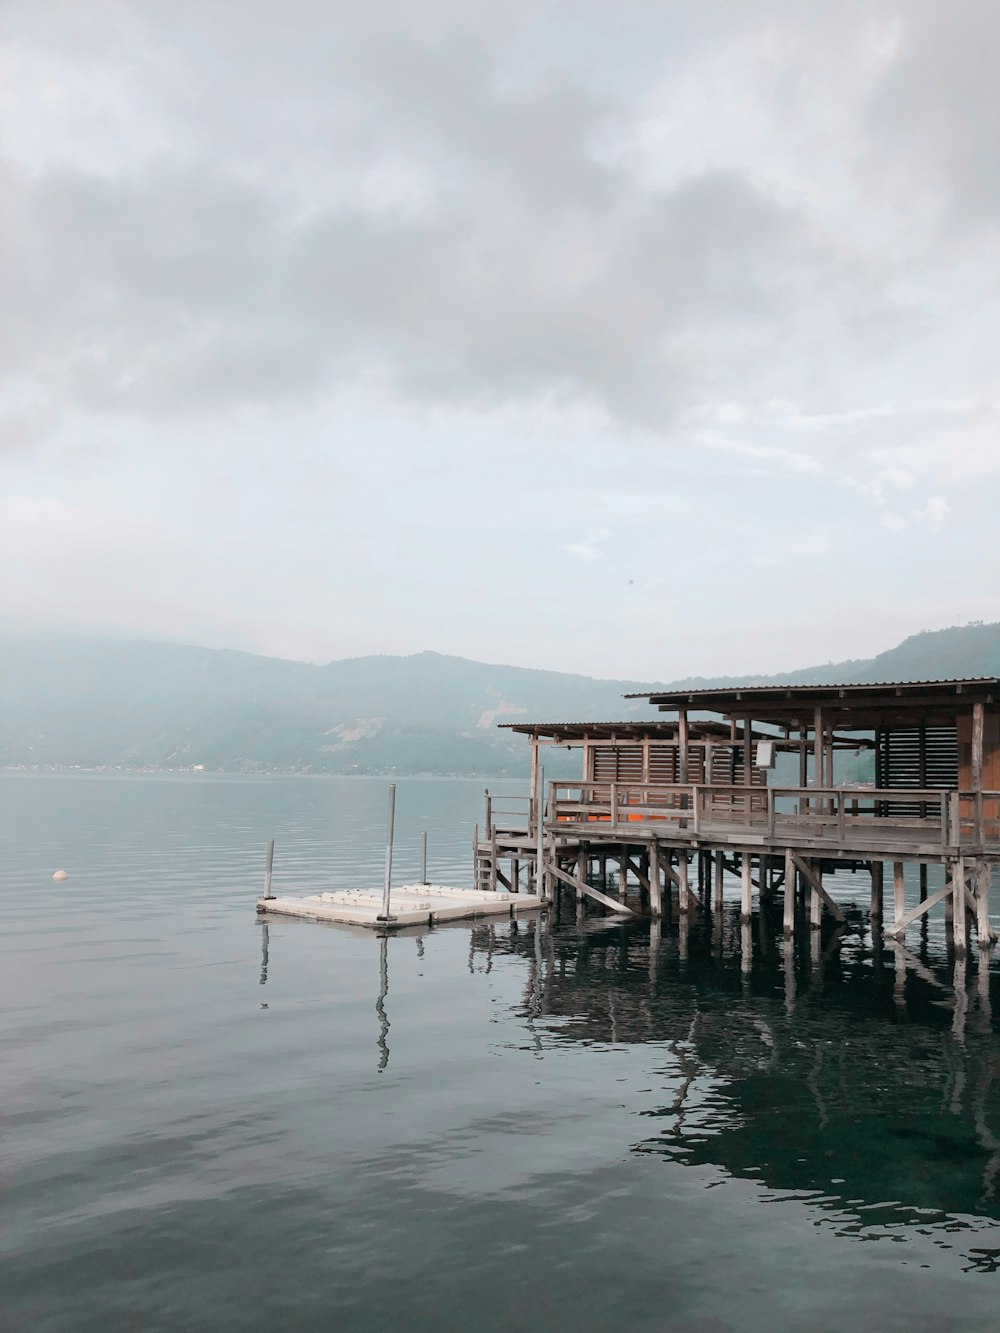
{"points": [[589, 890], [812, 879]]}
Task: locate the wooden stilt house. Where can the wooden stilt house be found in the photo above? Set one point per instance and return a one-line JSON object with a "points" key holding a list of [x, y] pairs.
{"points": [[758, 778]]}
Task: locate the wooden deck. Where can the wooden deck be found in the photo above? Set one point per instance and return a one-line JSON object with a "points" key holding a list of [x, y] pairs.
{"points": [[852, 823], [661, 834]]}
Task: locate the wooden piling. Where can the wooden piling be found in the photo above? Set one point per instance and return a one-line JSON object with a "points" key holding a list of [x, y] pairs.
{"points": [[655, 889], [790, 878], [878, 876], [720, 867], [684, 890]]}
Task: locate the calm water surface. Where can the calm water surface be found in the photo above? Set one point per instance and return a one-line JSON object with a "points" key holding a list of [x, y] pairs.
{"points": [[213, 1124]]}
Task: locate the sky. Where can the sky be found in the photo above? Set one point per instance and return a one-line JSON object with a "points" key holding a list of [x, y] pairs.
{"points": [[635, 339]]}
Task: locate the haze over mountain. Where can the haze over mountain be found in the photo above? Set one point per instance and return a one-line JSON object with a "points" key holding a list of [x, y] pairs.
{"points": [[97, 702]]}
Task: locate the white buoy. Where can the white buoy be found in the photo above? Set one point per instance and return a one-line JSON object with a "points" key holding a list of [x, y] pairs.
{"points": [[61, 875]]}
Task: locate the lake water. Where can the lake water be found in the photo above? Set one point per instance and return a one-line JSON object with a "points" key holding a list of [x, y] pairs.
{"points": [[213, 1124]]}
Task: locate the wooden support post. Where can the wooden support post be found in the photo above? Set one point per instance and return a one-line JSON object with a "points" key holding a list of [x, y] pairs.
{"points": [[977, 770], [818, 752], [746, 902], [581, 872], [682, 744], [684, 890], [984, 877], [623, 875], [655, 889], [961, 910], [720, 870], [790, 875], [540, 882], [878, 875], [899, 892], [816, 900], [923, 881]]}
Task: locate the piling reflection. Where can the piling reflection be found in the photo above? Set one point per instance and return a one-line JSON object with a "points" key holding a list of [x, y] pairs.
{"points": [[383, 991], [852, 1074]]}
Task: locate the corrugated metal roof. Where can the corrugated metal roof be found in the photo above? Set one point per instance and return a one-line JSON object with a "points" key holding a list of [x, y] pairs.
{"points": [[737, 690], [647, 725]]}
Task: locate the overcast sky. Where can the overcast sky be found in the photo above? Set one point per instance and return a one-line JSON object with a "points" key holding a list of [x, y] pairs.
{"points": [[635, 339]]}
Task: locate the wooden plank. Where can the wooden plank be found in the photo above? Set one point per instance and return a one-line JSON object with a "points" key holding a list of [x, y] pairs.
{"points": [[636, 870], [815, 881], [898, 927], [611, 903]]}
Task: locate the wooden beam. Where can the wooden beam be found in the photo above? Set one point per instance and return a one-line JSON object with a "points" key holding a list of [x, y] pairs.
{"points": [[684, 888], [789, 913], [810, 875], [984, 879], [898, 927], [878, 876], [589, 890], [655, 889], [637, 871], [720, 870]]}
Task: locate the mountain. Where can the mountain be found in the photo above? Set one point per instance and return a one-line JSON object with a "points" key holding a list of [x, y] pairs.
{"points": [[93, 702], [100, 703]]}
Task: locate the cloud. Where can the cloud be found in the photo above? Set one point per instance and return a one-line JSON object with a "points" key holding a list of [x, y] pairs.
{"points": [[324, 283], [429, 207]]}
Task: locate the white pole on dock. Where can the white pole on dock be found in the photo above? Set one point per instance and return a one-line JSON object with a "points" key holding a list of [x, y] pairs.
{"points": [[267, 870], [423, 858], [388, 851], [540, 861]]}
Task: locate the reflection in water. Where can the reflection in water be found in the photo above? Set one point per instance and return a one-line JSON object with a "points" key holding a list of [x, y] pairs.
{"points": [[859, 1080], [383, 991], [842, 1071], [264, 942]]}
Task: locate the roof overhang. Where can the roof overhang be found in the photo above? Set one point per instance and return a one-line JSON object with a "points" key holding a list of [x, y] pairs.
{"points": [[850, 707]]}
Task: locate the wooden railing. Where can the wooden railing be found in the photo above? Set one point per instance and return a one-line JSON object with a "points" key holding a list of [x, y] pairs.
{"points": [[509, 814], [835, 815]]}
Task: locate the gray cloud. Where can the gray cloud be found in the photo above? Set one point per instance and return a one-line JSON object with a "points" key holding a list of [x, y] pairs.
{"points": [[510, 255], [288, 290]]}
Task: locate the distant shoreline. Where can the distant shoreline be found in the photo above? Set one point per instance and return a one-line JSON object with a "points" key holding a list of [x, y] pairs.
{"points": [[121, 771]]}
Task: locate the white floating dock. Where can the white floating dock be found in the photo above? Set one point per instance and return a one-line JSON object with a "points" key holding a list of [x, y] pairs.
{"points": [[410, 905]]}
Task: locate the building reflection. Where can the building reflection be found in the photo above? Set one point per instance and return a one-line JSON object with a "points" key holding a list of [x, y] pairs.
{"points": [[852, 1074]]}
